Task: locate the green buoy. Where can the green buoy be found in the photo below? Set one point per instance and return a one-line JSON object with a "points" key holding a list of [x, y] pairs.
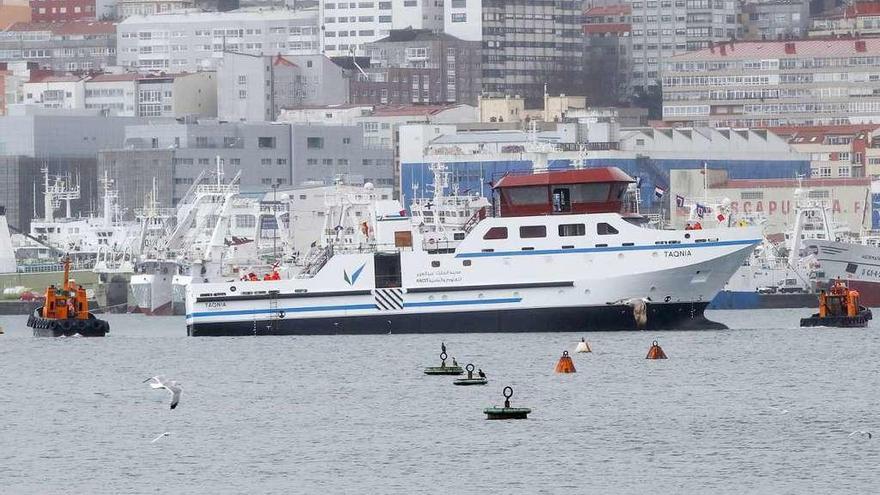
{"points": [[470, 380], [507, 412], [455, 369]]}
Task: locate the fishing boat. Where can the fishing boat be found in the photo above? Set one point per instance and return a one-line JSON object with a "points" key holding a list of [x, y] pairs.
{"points": [[839, 307], [65, 312], [556, 252]]}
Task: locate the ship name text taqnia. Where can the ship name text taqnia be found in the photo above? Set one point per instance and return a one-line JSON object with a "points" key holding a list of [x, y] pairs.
{"points": [[551, 251]]}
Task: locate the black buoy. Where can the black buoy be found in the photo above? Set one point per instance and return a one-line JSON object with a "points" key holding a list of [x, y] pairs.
{"points": [[470, 380], [455, 369], [507, 412]]}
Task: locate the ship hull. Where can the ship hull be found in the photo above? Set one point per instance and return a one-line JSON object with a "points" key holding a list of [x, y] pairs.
{"points": [[729, 299], [663, 316]]}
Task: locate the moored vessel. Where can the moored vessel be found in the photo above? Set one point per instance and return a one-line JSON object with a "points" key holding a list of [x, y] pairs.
{"points": [[839, 307], [65, 312], [555, 252]]}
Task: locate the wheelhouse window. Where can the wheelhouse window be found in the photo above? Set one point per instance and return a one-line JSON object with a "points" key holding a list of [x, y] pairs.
{"points": [[496, 233], [527, 195], [572, 230], [605, 229], [532, 231]]}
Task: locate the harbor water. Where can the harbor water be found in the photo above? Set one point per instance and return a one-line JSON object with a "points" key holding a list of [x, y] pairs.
{"points": [[765, 407]]}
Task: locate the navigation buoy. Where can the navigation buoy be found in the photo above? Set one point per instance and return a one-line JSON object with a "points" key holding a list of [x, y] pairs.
{"points": [[655, 352], [565, 364], [507, 412], [583, 346], [455, 369], [470, 380]]}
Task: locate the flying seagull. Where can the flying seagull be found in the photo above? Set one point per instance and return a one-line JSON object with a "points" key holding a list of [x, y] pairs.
{"points": [[862, 433], [172, 387], [160, 436]]}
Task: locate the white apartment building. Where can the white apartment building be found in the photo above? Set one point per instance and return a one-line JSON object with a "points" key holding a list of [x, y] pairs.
{"points": [[775, 83], [348, 25], [128, 95], [663, 28], [67, 92], [193, 41], [257, 88]]}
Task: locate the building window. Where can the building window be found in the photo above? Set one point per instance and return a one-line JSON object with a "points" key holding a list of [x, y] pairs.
{"points": [[346, 140], [265, 161], [315, 143], [281, 161]]}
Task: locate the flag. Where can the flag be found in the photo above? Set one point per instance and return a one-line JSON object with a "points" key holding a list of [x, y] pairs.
{"points": [[679, 201], [701, 210], [720, 217], [659, 192]]}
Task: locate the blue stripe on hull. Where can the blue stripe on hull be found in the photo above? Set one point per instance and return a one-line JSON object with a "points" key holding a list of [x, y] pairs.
{"points": [[674, 316], [609, 249], [347, 307]]}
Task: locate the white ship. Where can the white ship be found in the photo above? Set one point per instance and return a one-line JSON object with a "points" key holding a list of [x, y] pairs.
{"points": [[857, 262], [556, 253]]}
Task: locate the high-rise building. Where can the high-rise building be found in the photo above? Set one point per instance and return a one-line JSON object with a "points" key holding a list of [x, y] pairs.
{"points": [[663, 28], [528, 45], [607, 52], [347, 26], [775, 83]]}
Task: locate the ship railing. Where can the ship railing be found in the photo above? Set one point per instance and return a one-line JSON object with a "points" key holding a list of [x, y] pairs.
{"points": [[55, 267]]}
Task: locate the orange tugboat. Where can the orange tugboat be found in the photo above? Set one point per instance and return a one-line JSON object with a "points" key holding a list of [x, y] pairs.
{"points": [[66, 312], [839, 307]]}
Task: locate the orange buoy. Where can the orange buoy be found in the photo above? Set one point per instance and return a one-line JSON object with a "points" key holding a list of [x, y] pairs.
{"points": [[565, 364], [655, 352]]}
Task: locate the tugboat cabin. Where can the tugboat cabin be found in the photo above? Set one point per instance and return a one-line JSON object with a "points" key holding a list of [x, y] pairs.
{"points": [[593, 190]]}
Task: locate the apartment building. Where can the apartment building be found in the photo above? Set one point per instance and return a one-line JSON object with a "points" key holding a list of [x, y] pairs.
{"points": [[348, 26], [61, 10], [851, 19], [67, 92], [663, 28], [61, 46], [419, 66], [608, 52], [837, 151], [255, 88], [194, 41], [128, 95], [775, 83], [775, 19]]}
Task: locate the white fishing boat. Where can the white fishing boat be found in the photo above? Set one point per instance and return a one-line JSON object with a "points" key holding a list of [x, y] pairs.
{"points": [[556, 252]]}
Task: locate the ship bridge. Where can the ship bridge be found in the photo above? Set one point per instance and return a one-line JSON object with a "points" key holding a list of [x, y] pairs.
{"points": [[559, 192]]}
